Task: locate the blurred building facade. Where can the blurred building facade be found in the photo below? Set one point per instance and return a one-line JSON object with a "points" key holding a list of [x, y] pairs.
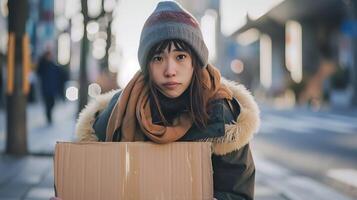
{"points": [[304, 48]]}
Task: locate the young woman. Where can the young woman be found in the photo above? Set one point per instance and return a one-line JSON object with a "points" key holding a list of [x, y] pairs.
{"points": [[178, 96]]}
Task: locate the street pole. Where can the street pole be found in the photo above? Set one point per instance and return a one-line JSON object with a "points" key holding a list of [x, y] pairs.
{"points": [[83, 80], [105, 62], [18, 64], [354, 47]]}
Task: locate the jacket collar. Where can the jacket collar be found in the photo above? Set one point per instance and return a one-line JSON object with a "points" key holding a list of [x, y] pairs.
{"points": [[244, 127], [234, 137]]}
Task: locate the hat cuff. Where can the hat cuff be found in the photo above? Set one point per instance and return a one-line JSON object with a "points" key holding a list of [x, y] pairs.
{"points": [[186, 33]]}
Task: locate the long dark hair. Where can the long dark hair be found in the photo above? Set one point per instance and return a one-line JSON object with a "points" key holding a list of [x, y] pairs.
{"points": [[197, 107]]}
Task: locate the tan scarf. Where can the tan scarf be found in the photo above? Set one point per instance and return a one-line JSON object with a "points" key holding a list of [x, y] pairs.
{"points": [[132, 113]]}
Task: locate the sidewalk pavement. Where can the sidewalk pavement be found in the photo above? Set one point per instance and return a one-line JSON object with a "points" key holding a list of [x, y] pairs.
{"points": [[31, 177], [41, 138]]}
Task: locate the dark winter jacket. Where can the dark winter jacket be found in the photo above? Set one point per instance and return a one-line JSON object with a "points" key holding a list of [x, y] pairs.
{"points": [[49, 76], [230, 127]]}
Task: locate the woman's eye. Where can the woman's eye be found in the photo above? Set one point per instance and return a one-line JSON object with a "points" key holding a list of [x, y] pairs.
{"points": [[181, 57], [156, 59]]}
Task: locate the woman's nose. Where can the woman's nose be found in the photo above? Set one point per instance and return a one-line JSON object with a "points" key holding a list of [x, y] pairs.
{"points": [[170, 68]]}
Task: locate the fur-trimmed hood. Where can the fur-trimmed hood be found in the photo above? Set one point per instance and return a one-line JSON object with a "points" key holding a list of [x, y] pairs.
{"points": [[236, 136]]}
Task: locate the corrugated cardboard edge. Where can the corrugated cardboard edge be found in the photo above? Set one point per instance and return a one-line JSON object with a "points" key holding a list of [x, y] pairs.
{"points": [[57, 151]]}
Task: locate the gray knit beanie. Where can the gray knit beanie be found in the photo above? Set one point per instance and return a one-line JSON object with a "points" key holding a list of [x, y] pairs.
{"points": [[170, 21]]}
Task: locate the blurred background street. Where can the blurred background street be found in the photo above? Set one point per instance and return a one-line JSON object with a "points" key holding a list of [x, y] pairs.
{"points": [[297, 57]]}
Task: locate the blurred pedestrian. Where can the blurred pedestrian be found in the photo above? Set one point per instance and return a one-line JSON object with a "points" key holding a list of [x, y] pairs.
{"points": [[48, 73], [313, 91], [178, 96]]}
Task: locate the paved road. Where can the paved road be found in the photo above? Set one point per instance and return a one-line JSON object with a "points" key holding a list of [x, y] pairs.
{"points": [[318, 145]]}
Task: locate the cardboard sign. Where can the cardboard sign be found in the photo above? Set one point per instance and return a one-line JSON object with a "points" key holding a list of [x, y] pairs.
{"points": [[133, 170]]}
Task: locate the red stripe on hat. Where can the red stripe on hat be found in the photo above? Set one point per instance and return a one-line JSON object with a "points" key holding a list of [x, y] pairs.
{"points": [[171, 16]]}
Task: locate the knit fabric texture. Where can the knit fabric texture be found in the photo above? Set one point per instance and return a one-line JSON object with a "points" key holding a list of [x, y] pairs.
{"points": [[171, 21]]}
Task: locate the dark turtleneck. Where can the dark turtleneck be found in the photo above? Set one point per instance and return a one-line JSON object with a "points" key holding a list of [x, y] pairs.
{"points": [[171, 107]]}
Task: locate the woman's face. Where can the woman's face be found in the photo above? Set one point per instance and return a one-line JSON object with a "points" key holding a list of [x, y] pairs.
{"points": [[171, 71]]}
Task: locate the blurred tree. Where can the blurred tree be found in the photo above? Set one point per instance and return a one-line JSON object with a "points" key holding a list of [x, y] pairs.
{"points": [[83, 79], [18, 64], [105, 60]]}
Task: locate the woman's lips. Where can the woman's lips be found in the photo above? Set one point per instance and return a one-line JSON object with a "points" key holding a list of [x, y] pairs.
{"points": [[171, 85]]}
